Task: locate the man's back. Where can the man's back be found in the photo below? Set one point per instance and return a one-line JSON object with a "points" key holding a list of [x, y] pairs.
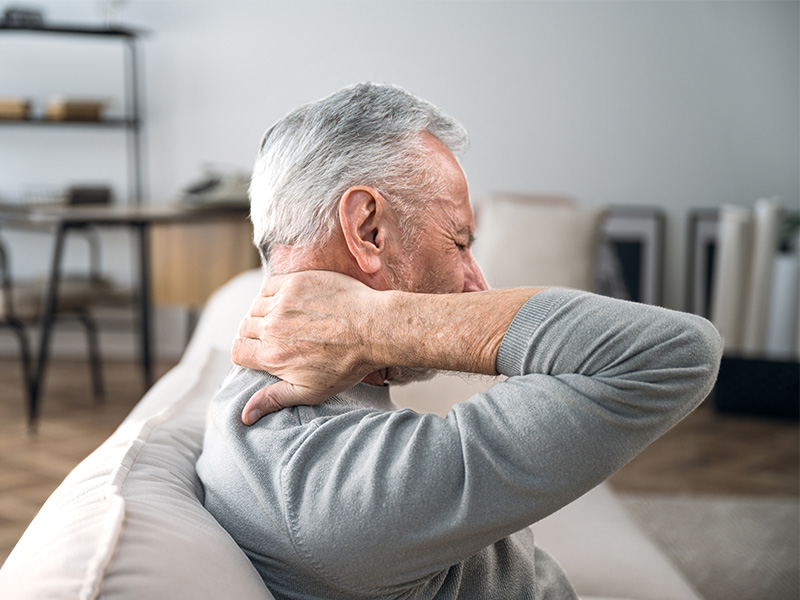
{"points": [[280, 490], [353, 499]]}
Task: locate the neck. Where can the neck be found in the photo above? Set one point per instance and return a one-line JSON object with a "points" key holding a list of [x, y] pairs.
{"points": [[292, 259], [324, 257], [331, 255]]}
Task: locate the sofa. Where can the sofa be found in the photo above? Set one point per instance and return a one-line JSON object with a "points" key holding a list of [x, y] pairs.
{"points": [[128, 522]]}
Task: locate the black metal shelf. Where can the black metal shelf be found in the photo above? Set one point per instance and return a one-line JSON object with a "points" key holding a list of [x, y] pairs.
{"points": [[112, 123], [129, 122], [76, 30]]}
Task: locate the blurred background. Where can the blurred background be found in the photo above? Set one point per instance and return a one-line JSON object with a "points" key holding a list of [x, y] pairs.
{"points": [[674, 105], [673, 119]]}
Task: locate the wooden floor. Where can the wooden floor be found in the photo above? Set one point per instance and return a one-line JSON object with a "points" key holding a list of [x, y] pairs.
{"points": [[71, 426], [707, 453], [713, 453]]}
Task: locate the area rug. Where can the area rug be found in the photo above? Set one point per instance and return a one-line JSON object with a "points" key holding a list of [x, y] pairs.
{"points": [[728, 547]]}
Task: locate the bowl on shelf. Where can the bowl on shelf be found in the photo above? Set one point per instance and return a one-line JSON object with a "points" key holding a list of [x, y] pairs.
{"points": [[14, 109], [74, 109]]}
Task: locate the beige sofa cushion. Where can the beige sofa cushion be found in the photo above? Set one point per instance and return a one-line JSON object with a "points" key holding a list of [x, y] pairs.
{"points": [[533, 244], [604, 553], [129, 522]]}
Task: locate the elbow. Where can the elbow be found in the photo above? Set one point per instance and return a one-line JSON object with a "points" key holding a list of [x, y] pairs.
{"points": [[704, 346], [711, 344]]}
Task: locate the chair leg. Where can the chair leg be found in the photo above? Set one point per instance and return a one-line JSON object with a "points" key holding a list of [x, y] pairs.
{"points": [[27, 373], [94, 356]]}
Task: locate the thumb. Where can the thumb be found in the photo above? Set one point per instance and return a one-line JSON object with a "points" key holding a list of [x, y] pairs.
{"points": [[273, 398], [271, 285]]}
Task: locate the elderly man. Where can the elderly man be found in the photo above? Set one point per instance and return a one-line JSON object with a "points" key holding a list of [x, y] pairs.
{"points": [[361, 213]]}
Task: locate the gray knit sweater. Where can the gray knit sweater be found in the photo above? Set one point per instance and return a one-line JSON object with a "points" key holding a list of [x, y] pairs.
{"points": [[355, 499]]}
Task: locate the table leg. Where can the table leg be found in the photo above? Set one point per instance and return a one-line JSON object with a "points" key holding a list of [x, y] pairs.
{"points": [[145, 301], [46, 326]]}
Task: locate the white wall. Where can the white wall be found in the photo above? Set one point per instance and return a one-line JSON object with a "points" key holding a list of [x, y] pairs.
{"points": [[670, 104]]}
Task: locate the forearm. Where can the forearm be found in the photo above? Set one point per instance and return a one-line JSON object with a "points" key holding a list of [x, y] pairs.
{"points": [[454, 332], [322, 332]]}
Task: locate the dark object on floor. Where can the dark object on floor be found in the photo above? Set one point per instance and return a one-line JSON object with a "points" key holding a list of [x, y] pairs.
{"points": [[766, 388]]}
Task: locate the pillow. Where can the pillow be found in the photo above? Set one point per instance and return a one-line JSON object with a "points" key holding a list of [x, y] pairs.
{"points": [[129, 521], [527, 244]]}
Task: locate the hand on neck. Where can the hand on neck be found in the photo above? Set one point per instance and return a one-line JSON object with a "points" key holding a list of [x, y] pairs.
{"points": [[328, 257]]}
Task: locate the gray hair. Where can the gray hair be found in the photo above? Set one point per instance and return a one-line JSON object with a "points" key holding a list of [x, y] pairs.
{"points": [[365, 134]]}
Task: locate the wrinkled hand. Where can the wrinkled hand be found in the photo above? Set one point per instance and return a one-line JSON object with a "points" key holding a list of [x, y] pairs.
{"points": [[305, 328]]}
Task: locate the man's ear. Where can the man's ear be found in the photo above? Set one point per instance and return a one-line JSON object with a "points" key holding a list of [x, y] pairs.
{"points": [[363, 214]]}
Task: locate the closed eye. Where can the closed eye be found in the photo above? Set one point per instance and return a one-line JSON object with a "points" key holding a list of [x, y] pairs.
{"points": [[467, 235], [469, 243]]}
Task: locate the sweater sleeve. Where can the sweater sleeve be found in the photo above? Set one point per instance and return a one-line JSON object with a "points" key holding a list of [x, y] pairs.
{"points": [[591, 382]]}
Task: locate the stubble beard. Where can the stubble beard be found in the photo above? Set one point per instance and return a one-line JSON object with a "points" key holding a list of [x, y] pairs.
{"points": [[401, 277]]}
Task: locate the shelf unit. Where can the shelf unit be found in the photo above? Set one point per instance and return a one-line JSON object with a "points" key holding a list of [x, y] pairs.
{"points": [[130, 123]]}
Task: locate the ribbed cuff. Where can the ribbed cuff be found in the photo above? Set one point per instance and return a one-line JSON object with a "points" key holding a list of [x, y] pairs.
{"points": [[516, 344]]}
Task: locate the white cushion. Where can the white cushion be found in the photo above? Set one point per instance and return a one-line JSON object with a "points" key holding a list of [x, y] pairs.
{"points": [[604, 553], [129, 522], [524, 244]]}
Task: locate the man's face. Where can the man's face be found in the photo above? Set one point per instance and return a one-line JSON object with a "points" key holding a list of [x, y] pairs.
{"points": [[440, 261]]}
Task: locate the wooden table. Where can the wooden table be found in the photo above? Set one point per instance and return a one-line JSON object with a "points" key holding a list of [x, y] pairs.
{"points": [[60, 220]]}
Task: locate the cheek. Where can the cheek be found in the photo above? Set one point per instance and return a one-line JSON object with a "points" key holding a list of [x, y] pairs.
{"points": [[449, 275]]}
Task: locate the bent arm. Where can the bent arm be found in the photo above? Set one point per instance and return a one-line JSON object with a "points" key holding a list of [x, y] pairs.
{"points": [[592, 381], [322, 332]]}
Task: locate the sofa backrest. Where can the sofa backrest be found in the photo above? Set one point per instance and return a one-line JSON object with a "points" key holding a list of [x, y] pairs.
{"points": [[129, 521], [535, 241]]}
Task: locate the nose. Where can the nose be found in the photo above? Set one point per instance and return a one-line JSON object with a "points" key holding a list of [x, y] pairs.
{"points": [[473, 276]]}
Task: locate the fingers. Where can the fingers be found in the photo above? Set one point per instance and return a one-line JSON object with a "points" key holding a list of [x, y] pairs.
{"points": [[245, 352], [265, 301], [261, 306], [251, 327], [271, 285]]}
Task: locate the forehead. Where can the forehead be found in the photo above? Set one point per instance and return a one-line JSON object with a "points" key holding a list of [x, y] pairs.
{"points": [[452, 194]]}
